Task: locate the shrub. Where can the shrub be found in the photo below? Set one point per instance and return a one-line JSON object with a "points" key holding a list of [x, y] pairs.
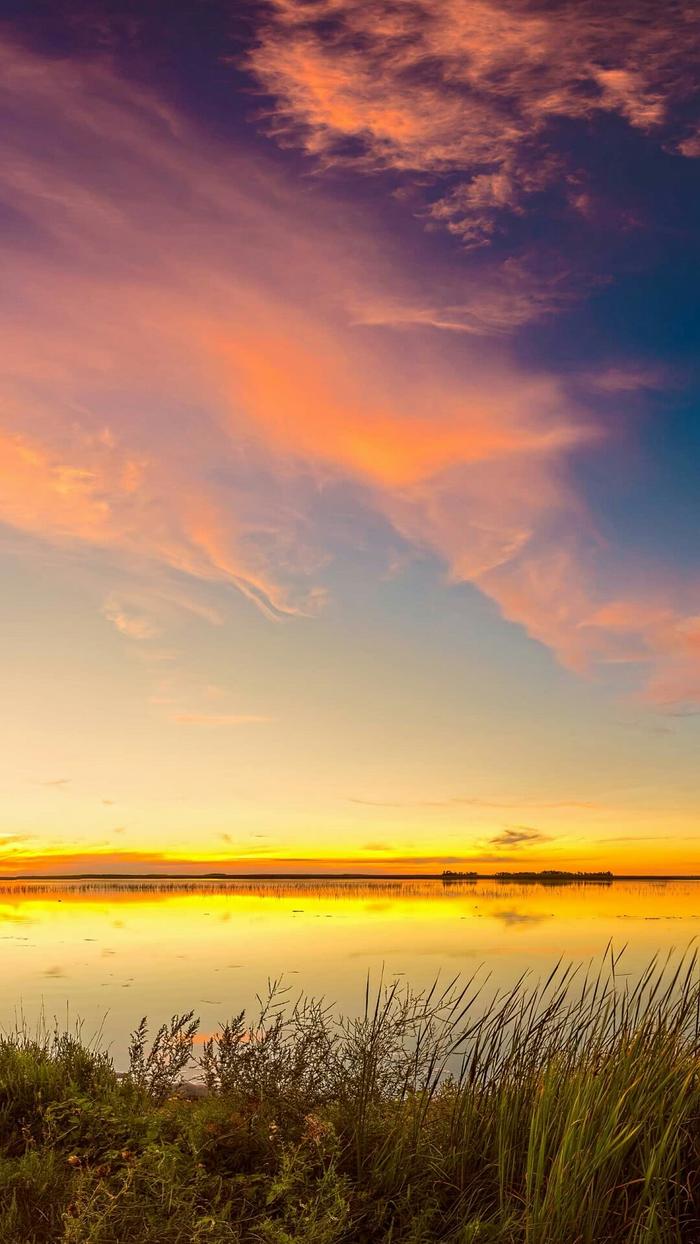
{"points": [[563, 1113]]}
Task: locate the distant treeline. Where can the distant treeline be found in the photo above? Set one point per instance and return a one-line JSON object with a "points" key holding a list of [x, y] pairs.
{"points": [[555, 875], [552, 875]]}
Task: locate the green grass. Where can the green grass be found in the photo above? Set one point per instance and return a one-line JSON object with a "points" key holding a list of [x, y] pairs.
{"points": [[563, 1113]]}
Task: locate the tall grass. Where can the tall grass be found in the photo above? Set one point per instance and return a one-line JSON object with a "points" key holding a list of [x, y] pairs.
{"points": [[564, 1112]]}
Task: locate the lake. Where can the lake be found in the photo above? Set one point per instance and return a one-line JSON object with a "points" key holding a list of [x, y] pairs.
{"points": [[108, 953]]}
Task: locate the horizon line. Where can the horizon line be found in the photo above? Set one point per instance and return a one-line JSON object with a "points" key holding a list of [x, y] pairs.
{"points": [[565, 874]]}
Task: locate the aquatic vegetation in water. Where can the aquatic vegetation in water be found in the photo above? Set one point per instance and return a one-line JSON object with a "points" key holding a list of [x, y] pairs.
{"points": [[558, 1113]]}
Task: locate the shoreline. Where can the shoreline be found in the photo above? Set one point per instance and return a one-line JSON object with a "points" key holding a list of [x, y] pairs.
{"points": [[352, 876], [455, 878], [539, 1116]]}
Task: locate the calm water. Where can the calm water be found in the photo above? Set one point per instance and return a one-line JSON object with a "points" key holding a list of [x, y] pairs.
{"points": [[112, 953]]}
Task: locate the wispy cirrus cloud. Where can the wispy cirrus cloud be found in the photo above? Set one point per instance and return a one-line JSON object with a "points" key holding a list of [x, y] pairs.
{"points": [[18, 860], [143, 611], [133, 625], [187, 366], [518, 291], [469, 89], [519, 836]]}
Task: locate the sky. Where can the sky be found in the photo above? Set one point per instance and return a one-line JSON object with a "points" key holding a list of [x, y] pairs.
{"points": [[349, 436]]}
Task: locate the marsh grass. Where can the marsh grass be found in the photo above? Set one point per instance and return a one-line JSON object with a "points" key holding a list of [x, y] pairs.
{"points": [[564, 1112]]}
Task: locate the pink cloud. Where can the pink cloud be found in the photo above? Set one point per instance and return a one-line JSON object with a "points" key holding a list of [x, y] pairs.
{"points": [[466, 86], [186, 366], [133, 625], [690, 145]]}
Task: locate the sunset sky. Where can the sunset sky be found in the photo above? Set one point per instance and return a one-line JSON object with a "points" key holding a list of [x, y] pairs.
{"points": [[349, 435]]}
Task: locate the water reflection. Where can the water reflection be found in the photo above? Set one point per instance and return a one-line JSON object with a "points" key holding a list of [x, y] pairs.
{"points": [[111, 952]]}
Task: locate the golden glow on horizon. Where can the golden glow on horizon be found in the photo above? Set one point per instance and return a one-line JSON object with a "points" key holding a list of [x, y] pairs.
{"points": [[625, 855]]}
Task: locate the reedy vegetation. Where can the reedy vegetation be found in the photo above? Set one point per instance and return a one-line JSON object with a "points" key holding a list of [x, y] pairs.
{"points": [[566, 1112]]}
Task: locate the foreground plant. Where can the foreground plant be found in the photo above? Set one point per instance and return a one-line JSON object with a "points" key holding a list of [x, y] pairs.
{"points": [[559, 1113]]}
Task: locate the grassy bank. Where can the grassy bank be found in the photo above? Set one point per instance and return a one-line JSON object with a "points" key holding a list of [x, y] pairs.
{"points": [[557, 1114]]}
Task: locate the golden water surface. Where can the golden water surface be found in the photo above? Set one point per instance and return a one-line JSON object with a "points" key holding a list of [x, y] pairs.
{"points": [[112, 952]]}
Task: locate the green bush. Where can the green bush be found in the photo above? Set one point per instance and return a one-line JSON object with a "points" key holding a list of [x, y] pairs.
{"points": [[566, 1113]]}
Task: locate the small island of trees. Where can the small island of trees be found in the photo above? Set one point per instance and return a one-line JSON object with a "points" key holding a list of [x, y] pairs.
{"points": [[553, 876]]}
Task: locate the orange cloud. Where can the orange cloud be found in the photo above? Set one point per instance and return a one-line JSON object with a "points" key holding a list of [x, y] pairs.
{"points": [[316, 396], [465, 86], [139, 863], [187, 363], [133, 625], [42, 493]]}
